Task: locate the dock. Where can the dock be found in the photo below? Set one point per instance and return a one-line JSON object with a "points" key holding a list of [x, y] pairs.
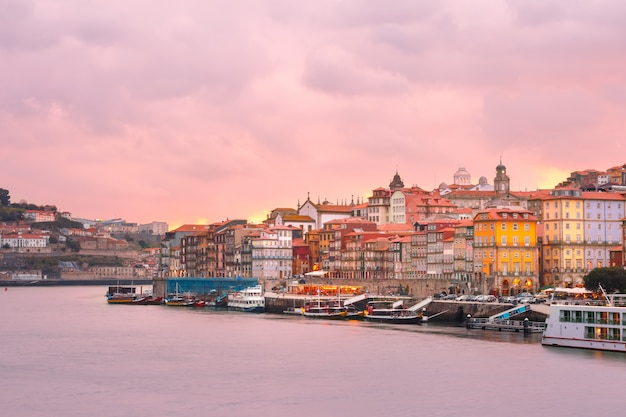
{"points": [[525, 325]]}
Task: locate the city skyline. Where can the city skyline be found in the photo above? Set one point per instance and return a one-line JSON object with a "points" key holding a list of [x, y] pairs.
{"points": [[198, 112]]}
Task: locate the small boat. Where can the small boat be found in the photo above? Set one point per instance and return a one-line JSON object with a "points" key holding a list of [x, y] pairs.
{"points": [[250, 300], [391, 312], [179, 299], [199, 303], [148, 299], [598, 327], [121, 295], [221, 301]]}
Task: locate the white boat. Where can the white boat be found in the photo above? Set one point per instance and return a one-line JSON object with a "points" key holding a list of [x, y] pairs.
{"points": [[599, 327], [327, 309], [251, 300], [385, 311]]}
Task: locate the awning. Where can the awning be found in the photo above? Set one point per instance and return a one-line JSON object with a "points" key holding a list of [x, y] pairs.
{"points": [[319, 273]]}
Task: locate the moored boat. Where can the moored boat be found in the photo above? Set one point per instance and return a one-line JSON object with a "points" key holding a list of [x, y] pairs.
{"points": [[391, 312], [121, 295], [148, 299], [598, 327], [250, 300], [180, 299], [325, 310]]}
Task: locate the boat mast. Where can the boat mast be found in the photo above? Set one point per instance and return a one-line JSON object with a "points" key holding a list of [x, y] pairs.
{"points": [[606, 297]]}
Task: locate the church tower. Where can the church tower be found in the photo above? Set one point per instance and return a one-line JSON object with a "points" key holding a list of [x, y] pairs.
{"points": [[501, 182], [396, 183]]}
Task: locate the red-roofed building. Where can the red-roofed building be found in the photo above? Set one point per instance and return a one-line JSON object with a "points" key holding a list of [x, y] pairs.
{"points": [[505, 251]]}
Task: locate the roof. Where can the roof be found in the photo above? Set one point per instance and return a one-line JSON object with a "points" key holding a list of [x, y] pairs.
{"points": [[190, 228], [297, 218]]}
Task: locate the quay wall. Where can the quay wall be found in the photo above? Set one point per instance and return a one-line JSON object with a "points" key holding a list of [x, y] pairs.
{"points": [[411, 287]]}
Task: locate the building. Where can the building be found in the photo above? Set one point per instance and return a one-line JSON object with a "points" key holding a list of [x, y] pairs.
{"points": [[579, 231], [505, 251], [272, 254]]}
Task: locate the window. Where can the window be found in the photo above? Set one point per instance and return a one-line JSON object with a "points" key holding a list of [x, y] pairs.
{"points": [[515, 226], [503, 226], [503, 240]]}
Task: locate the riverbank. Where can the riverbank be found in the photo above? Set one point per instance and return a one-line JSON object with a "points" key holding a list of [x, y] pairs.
{"points": [[72, 282]]}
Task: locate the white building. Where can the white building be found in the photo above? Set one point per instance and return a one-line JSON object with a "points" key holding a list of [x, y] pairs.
{"points": [[272, 254]]}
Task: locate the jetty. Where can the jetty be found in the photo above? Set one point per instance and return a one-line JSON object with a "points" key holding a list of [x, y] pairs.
{"points": [[503, 321]]}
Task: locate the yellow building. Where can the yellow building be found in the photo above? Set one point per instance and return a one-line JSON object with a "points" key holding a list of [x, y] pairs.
{"points": [[505, 251]]}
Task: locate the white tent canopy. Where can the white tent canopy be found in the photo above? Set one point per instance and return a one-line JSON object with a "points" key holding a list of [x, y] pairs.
{"points": [[319, 273]]}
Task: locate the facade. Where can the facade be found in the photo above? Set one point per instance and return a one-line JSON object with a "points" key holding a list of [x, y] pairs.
{"points": [[24, 242], [464, 256], [324, 212], [39, 216], [580, 230], [378, 206], [505, 251], [272, 254]]}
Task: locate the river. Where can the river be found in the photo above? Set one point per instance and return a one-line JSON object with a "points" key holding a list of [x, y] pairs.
{"points": [[66, 352]]}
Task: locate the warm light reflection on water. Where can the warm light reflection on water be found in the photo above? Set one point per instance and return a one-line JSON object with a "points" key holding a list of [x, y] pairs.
{"points": [[66, 352]]}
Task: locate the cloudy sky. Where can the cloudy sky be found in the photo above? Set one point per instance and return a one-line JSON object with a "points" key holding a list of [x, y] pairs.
{"points": [[197, 111]]}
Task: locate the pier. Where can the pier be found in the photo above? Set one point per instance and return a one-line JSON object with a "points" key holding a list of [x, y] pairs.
{"points": [[525, 325]]}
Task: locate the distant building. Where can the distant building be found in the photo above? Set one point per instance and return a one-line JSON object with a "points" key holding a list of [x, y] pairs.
{"points": [[157, 228], [39, 216]]}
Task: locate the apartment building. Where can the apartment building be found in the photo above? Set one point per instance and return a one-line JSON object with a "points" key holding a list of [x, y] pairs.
{"points": [[580, 230], [505, 251]]}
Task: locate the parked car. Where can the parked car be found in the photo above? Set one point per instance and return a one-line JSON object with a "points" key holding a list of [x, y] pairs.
{"points": [[464, 297], [526, 300], [510, 299]]}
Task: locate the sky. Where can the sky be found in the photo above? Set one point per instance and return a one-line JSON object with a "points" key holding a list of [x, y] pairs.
{"points": [[198, 111]]}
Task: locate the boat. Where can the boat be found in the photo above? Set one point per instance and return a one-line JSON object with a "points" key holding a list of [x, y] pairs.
{"points": [[327, 309], [250, 300], [180, 299], [121, 295], [148, 299], [392, 312], [586, 326], [221, 301]]}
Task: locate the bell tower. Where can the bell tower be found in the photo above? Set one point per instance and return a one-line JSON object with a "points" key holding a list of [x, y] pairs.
{"points": [[501, 182]]}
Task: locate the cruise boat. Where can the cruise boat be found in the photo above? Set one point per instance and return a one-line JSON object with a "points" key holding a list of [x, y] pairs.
{"points": [[250, 300], [391, 312], [599, 327]]}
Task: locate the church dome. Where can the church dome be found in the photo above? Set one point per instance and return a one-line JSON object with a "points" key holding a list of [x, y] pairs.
{"points": [[462, 177]]}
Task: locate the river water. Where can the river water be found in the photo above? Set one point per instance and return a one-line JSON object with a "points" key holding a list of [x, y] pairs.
{"points": [[65, 352]]}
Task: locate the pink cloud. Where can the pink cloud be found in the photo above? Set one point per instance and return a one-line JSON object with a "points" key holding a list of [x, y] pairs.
{"points": [[208, 110]]}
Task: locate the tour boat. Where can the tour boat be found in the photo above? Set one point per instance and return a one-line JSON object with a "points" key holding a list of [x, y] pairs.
{"points": [[120, 295], [250, 300], [599, 327], [327, 309], [391, 312]]}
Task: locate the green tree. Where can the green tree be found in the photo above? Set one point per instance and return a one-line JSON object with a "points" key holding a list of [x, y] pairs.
{"points": [[611, 278], [5, 198]]}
